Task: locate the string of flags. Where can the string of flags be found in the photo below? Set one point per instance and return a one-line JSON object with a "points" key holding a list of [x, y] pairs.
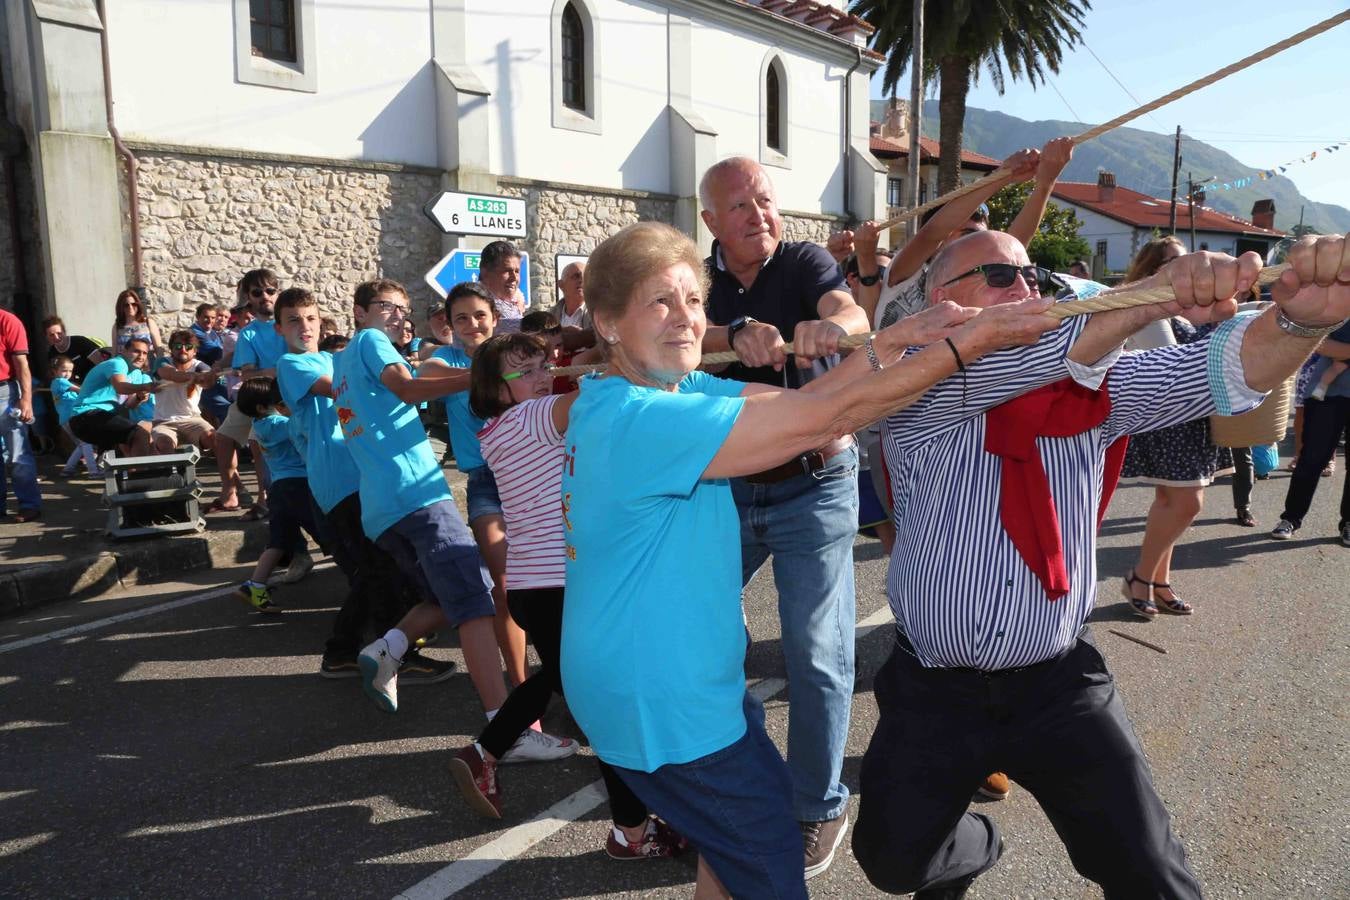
{"points": [[1278, 170]]}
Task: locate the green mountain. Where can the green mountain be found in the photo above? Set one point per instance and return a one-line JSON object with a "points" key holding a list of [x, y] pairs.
{"points": [[1142, 161]]}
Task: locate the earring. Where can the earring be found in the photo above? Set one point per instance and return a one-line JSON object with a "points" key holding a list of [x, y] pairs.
{"points": [[612, 338]]}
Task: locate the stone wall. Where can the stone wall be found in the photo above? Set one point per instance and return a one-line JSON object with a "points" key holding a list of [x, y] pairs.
{"points": [[573, 220], [798, 226], [324, 225]]}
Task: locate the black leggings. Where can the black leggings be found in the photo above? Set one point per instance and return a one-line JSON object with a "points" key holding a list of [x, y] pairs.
{"points": [[539, 611]]}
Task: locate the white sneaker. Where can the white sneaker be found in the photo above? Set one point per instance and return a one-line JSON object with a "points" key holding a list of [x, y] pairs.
{"points": [[535, 746], [301, 563], [379, 674]]}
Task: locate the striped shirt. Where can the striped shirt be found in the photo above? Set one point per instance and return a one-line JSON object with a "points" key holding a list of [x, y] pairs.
{"points": [[525, 453], [957, 586]]}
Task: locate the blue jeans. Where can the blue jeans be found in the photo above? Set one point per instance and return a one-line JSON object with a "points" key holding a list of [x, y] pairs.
{"points": [[18, 453], [808, 524]]}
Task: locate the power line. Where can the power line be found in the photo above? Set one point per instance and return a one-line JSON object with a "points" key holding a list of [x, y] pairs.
{"points": [[1127, 91], [1076, 116]]}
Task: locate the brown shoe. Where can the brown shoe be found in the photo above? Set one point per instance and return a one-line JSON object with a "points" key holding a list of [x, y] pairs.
{"points": [[996, 787], [820, 840]]}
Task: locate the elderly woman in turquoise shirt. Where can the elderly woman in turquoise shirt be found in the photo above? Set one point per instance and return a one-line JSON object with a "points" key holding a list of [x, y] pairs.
{"points": [[653, 646]]}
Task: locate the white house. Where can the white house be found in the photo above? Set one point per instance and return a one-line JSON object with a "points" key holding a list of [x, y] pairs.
{"points": [[306, 135], [1118, 221]]}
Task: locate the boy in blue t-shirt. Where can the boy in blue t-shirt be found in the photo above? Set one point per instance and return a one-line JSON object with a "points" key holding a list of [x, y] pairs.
{"points": [[292, 507], [65, 393], [377, 590], [405, 503]]}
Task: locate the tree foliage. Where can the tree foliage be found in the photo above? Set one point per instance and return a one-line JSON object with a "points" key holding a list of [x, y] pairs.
{"points": [[1056, 243], [961, 37]]}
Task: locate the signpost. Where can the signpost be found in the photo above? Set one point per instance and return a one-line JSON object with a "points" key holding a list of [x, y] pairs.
{"points": [[456, 213], [462, 265]]}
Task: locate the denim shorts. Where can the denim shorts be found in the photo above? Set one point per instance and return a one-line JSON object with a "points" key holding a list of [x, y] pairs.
{"points": [[735, 807], [481, 495], [434, 548]]}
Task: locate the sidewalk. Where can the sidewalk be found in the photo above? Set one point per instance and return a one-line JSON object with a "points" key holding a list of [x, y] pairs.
{"points": [[65, 554]]}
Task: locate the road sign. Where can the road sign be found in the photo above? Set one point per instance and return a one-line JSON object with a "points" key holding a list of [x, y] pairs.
{"points": [[477, 214], [462, 265]]}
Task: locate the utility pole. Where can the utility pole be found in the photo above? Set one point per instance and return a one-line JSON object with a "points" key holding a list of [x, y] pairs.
{"points": [[915, 112], [1176, 170], [1190, 205]]}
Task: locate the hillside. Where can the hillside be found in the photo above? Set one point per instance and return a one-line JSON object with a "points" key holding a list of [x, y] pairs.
{"points": [[1141, 160]]}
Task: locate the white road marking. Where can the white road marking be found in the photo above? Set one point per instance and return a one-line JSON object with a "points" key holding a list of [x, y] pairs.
{"points": [[234, 667], [19, 845], [16, 725], [382, 810], [9, 795], [95, 625], [512, 843]]}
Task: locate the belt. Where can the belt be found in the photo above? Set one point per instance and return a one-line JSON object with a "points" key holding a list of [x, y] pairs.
{"points": [[806, 464], [903, 642]]}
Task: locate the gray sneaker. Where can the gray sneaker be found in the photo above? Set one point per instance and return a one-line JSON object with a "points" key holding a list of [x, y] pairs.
{"points": [[821, 840], [1345, 534], [1284, 531]]}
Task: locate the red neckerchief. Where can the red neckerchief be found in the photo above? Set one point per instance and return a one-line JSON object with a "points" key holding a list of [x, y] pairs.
{"points": [[1026, 508]]}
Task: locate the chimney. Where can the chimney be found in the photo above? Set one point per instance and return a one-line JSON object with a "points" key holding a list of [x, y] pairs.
{"points": [[895, 124], [1106, 187], [1263, 213]]}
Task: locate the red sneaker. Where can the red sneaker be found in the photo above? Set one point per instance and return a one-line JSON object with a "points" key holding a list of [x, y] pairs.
{"points": [[660, 841], [477, 781]]}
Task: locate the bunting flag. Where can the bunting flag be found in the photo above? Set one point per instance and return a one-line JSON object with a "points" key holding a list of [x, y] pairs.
{"points": [[1262, 175]]}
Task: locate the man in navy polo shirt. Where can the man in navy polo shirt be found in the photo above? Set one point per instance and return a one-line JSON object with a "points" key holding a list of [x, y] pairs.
{"points": [[804, 513]]}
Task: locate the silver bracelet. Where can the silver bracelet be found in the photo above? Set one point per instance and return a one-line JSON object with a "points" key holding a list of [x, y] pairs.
{"points": [[1289, 326], [872, 354]]}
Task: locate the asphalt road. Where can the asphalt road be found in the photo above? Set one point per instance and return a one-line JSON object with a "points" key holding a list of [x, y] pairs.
{"points": [[189, 749]]}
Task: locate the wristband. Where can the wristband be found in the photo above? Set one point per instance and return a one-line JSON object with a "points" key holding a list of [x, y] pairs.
{"points": [[872, 354], [961, 366]]}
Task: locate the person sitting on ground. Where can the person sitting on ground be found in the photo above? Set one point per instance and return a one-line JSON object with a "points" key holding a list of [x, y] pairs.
{"points": [[178, 418], [130, 320], [65, 394], [99, 417], [651, 444], [292, 506], [523, 439], [84, 352]]}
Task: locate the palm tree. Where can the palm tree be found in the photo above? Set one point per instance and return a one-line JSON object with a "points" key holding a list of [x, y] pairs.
{"points": [[959, 37]]}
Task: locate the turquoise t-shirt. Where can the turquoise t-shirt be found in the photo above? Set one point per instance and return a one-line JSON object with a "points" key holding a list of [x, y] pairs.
{"points": [[653, 572], [399, 471], [283, 460], [97, 391], [259, 344], [464, 425], [145, 410], [314, 428], [65, 395]]}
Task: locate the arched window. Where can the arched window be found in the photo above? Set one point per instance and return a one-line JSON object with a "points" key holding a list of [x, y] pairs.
{"points": [[573, 59], [773, 108]]}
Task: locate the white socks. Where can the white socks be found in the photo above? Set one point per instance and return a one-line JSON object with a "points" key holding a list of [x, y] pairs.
{"points": [[397, 641]]}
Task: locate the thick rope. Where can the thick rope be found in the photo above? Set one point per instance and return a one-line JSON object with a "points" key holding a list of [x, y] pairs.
{"points": [[1099, 130], [1121, 299]]}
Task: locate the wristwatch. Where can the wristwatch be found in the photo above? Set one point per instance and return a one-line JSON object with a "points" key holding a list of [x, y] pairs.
{"points": [[1289, 326], [734, 327], [869, 280]]}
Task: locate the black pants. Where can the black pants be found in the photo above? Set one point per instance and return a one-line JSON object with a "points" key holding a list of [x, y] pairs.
{"points": [[1324, 421], [539, 611], [1243, 473], [377, 591], [1058, 728]]}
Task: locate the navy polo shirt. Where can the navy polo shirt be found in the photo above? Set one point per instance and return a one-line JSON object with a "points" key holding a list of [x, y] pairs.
{"points": [[786, 291]]}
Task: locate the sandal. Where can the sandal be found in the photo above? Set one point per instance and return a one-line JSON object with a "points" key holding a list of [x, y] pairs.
{"points": [[1175, 606], [257, 513], [218, 505], [1143, 607], [1245, 518]]}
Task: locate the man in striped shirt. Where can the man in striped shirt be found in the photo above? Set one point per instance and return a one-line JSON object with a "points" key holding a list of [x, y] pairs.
{"points": [[993, 667]]}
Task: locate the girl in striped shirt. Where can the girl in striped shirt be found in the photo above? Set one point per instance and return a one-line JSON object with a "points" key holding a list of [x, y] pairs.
{"points": [[522, 443]]}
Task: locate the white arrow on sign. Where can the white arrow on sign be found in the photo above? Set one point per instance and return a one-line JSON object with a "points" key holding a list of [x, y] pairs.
{"points": [[456, 213]]}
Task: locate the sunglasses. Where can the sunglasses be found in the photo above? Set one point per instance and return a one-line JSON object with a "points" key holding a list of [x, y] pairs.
{"points": [[258, 292], [527, 373], [1002, 275], [173, 346]]}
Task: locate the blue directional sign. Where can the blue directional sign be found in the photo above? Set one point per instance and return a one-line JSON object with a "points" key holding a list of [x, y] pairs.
{"points": [[459, 266]]}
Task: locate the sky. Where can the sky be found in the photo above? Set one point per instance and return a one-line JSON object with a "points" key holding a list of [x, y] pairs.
{"points": [[1279, 110]]}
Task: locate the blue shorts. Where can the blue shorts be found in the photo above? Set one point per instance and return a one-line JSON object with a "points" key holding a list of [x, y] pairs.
{"points": [[434, 548], [292, 508], [735, 806], [481, 495]]}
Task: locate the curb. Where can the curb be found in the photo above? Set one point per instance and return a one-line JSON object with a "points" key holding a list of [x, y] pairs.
{"points": [[127, 566]]}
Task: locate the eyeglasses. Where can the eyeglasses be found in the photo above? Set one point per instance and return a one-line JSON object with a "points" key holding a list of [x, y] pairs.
{"points": [[173, 346], [258, 292], [390, 306], [1002, 275], [541, 369]]}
